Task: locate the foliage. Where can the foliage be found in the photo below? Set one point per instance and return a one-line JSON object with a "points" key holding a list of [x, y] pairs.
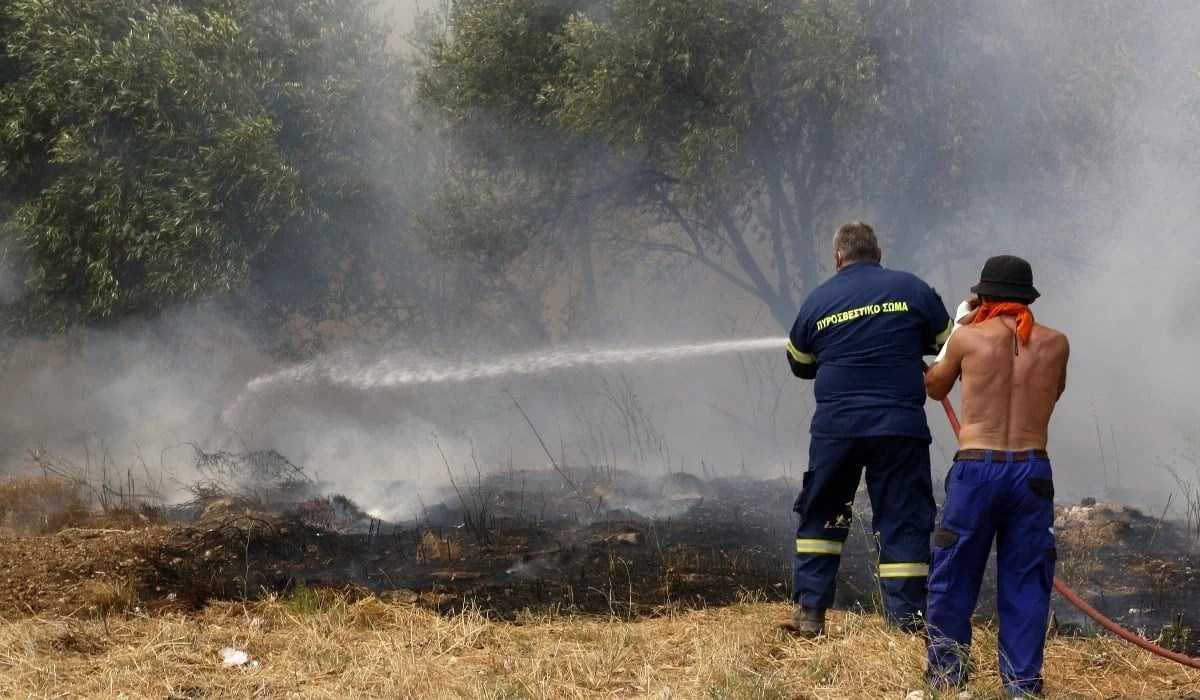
{"points": [[507, 209], [144, 167], [681, 95], [341, 100], [156, 153], [267, 153], [691, 87], [501, 54], [736, 130]]}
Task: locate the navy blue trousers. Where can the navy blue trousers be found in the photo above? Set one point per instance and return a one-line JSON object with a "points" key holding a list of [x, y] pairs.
{"points": [[902, 509], [1008, 497]]}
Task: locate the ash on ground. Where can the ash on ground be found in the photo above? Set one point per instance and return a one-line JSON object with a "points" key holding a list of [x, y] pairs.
{"points": [[550, 541]]}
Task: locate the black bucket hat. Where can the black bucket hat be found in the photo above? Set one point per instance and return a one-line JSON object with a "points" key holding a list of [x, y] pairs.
{"points": [[1007, 276]]}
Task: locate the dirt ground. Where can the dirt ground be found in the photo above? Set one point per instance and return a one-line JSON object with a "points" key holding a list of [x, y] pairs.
{"points": [[538, 542]]}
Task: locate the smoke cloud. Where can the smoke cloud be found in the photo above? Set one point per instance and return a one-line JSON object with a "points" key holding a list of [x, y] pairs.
{"points": [[1112, 260], [1113, 267]]}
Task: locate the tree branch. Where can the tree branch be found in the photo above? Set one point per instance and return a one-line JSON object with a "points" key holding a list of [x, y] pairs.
{"points": [[741, 253], [698, 257], [783, 221], [644, 176]]}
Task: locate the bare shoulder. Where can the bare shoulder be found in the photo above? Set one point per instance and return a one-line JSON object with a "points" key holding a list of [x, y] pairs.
{"points": [[1051, 333], [1054, 338], [966, 337], [990, 332]]}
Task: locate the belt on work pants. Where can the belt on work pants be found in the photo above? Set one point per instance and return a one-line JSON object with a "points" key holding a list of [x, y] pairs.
{"points": [[983, 455]]}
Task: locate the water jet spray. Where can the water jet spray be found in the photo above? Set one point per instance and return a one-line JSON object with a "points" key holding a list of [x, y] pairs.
{"points": [[396, 371]]}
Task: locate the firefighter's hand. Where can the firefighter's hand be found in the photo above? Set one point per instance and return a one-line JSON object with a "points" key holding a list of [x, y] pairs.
{"points": [[966, 311]]}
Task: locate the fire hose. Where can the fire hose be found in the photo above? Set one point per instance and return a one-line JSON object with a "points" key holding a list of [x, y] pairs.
{"points": [[1078, 602]]}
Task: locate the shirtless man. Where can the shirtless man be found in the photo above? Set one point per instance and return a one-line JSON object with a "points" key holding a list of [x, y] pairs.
{"points": [[1000, 486]]}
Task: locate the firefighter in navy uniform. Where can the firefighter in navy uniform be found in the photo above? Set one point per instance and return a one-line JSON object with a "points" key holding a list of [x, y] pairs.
{"points": [[861, 335]]}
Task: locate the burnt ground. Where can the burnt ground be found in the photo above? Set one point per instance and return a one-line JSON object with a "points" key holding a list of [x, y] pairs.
{"points": [[532, 542]]}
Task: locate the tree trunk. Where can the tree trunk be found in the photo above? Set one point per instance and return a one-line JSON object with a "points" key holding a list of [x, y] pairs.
{"points": [[784, 313]]}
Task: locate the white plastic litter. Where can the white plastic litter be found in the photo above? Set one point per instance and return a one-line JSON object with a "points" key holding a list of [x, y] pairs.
{"points": [[234, 657]]}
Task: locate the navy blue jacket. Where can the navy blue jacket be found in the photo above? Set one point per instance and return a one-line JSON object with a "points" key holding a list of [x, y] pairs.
{"points": [[862, 335]]}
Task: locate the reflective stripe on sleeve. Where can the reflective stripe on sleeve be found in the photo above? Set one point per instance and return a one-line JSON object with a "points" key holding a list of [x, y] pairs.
{"points": [[804, 358], [818, 547], [903, 570], [945, 335]]}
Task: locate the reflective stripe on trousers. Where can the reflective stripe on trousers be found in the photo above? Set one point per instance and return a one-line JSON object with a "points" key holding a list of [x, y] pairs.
{"points": [[901, 492], [903, 570], [815, 546]]}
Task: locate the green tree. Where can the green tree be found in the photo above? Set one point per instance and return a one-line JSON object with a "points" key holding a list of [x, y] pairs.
{"points": [[159, 152], [723, 119], [142, 168], [511, 209], [341, 98], [737, 129]]}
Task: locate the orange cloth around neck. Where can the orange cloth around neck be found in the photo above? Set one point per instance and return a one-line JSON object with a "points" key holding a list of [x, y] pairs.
{"points": [[1008, 308]]}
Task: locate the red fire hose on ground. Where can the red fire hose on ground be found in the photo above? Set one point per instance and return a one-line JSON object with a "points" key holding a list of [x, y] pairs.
{"points": [[1088, 610]]}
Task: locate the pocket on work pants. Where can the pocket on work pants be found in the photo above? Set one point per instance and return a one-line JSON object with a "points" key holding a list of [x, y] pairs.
{"points": [[964, 528]]}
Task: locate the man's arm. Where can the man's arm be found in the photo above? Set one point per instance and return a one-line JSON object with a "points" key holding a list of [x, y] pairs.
{"points": [[940, 339], [940, 377], [964, 316], [800, 356], [940, 325], [803, 364]]}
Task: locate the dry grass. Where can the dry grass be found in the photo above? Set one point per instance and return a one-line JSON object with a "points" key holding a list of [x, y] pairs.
{"points": [[373, 649], [40, 505], [434, 548]]}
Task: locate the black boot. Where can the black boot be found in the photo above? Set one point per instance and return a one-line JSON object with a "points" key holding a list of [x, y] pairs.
{"points": [[808, 622]]}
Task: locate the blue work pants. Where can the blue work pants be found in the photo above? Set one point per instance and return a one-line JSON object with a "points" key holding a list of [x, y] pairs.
{"points": [[1009, 497], [903, 512]]}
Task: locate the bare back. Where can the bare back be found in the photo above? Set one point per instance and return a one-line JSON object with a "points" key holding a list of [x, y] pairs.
{"points": [[1009, 390]]}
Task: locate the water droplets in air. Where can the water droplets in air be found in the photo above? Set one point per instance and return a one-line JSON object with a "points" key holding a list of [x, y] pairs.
{"points": [[396, 371]]}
